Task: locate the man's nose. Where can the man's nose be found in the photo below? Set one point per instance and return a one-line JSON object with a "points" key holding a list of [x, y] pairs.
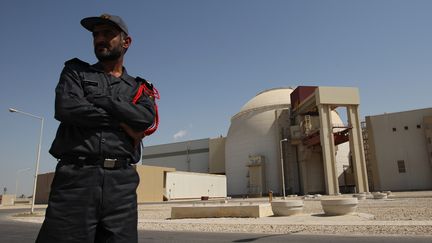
{"points": [[98, 38]]}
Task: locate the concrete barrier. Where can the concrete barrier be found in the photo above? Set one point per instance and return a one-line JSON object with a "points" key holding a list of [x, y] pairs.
{"points": [[222, 211], [379, 195], [339, 206], [287, 207], [360, 196], [22, 201]]}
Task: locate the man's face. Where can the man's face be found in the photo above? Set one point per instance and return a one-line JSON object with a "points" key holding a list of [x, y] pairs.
{"points": [[108, 43]]}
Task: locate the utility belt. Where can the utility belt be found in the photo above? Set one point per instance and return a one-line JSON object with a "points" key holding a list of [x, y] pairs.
{"points": [[107, 163]]}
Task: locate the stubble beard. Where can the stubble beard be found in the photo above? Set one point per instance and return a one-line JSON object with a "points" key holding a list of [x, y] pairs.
{"points": [[108, 54]]}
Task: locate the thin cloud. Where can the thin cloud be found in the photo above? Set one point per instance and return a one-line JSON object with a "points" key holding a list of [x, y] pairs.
{"points": [[180, 134]]}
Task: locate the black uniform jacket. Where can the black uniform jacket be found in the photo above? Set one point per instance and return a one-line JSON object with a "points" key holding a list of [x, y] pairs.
{"points": [[90, 105]]}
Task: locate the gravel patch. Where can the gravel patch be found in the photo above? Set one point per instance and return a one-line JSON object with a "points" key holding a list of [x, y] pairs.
{"points": [[291, 229]]}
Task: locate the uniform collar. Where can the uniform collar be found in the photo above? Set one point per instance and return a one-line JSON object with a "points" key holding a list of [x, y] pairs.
{"points": [[125, 76]]}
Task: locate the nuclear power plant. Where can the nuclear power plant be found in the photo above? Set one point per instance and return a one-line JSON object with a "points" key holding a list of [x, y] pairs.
{"points": [[283, 140], [289, 141]]}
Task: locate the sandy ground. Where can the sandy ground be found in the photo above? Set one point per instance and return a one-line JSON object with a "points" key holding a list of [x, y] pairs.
{"points": [[404, 213]]}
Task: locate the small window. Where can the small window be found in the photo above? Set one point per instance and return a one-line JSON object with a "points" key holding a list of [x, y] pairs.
{"points": [[418, 126], [394, 129], [406, 127], [401, 166], [429, 140]]}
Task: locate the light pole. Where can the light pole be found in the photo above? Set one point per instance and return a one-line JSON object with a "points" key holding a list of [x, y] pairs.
{"points": [[16, 182], [38, 153], [282, 166]]}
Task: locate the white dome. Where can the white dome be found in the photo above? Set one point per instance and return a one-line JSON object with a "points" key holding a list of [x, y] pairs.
{"points": [[255, 130], [268, 99]]}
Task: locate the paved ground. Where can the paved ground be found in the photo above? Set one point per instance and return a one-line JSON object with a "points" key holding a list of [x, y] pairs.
{"points": [[13, 231]]}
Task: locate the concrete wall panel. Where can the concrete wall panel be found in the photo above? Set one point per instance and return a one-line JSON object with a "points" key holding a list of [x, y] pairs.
{"points": [[186, 185]]}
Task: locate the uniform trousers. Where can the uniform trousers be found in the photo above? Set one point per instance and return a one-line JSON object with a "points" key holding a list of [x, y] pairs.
{"points": [[89, 203]]}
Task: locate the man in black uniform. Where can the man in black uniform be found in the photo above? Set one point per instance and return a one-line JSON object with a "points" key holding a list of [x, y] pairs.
{"points": [[93, 194]]}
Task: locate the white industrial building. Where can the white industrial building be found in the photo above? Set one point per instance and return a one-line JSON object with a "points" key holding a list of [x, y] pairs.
{"points": [[201, 155], [260, 142], [400, 150], [189, 156]]}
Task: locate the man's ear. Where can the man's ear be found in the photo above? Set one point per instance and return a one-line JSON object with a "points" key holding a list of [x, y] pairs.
{"points": [[127, 42]]}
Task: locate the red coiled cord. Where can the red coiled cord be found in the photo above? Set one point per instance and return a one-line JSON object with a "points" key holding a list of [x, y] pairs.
{"points": [[152, 94]]}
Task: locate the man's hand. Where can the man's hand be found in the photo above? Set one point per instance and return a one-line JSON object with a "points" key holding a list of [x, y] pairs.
{"points": [[136, 136]]}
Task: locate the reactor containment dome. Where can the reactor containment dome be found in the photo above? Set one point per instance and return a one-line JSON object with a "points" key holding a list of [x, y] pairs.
{"points": [[254, 141]]}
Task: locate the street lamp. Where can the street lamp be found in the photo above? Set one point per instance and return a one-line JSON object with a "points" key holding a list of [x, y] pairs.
{"points": [[16, 182], [282, 166], [38, 153]]}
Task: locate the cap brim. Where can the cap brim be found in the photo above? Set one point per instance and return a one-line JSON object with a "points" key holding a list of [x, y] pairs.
{"points": [[90, 22]]}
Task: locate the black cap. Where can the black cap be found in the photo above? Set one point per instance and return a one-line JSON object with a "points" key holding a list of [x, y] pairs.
{"points": [[90, 22]]}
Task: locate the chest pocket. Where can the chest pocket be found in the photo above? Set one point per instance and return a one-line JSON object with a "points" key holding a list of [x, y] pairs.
{"points": [[122, 91], [90, 86]]}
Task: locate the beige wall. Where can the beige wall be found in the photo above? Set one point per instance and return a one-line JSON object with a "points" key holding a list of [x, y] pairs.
{"points": [[7, 199], [217, 155], [151, 187], [315, 175], [408, 143]]}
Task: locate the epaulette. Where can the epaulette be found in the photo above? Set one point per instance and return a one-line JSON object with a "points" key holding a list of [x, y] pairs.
{"points": [[144, 81], [75, 62]]}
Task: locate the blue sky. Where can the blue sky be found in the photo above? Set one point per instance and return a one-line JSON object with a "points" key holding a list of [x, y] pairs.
{"points": [[208, 58]]}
